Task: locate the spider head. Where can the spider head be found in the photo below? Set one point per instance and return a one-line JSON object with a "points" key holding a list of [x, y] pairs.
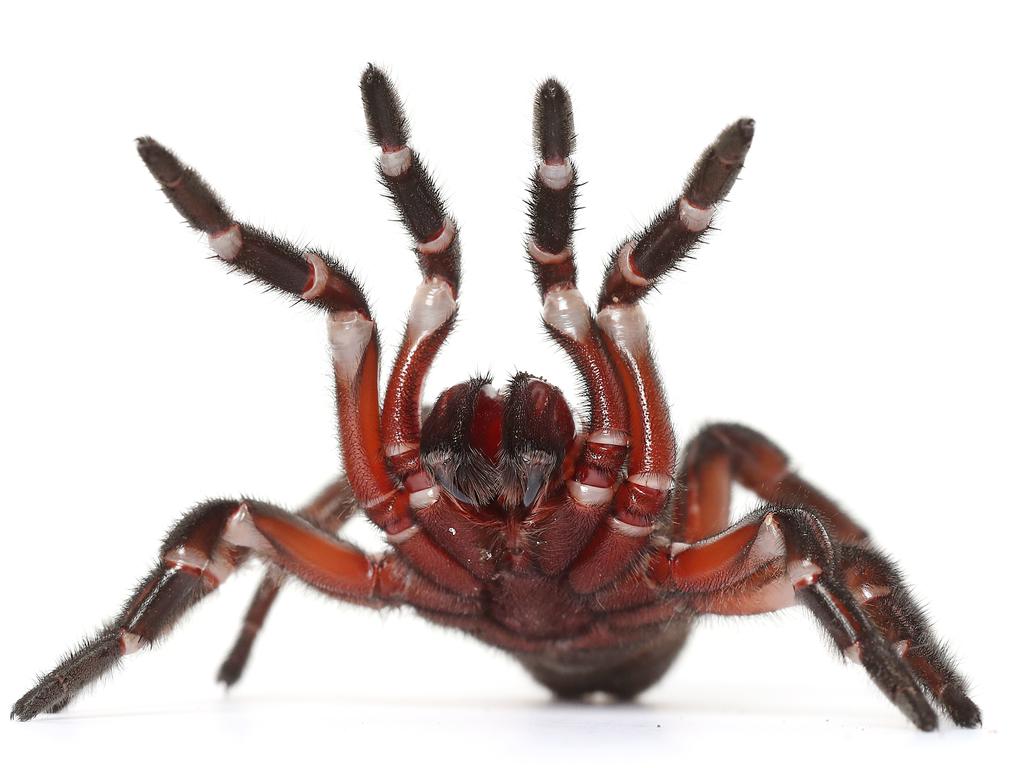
{"points": [[536, 431], [460, 441], [481, 445]]}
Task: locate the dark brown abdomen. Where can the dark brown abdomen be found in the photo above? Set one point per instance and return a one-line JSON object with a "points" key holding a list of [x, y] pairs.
{"points": [[623, 671]]}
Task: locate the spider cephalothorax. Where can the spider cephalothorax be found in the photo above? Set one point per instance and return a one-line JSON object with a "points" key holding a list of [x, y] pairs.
{"points": [[587, 551]]}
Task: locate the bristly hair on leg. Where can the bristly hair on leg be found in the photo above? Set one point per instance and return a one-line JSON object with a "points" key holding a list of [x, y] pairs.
{"points": [[385, 118]]}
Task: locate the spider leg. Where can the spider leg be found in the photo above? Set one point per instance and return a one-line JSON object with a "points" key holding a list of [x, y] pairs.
{"points": [[569, 321], [328, 511], [644, 494], [878, 586], [203, 549], [776, 558], [722, 453], [436, 236], [315, 278], [308, 275], [311, 276], [431, 320], [412, 190], [642, 261], [631, 273]]}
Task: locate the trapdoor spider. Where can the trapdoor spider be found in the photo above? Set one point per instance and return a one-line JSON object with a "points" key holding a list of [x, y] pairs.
{"points": [[585, 553]]}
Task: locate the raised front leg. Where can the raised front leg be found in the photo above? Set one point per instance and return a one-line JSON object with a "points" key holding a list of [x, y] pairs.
{"points": [[633, 270], [355, 346], [434, 308], [570, 323], [206, 546]]}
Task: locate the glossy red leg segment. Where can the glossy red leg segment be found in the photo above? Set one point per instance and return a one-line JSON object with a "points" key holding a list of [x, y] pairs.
{"points": [[395, 514], [329, 511], [431, 318], [205, 548], [436, 236], [642, 498], [722, 453], [781, 557], [356, 351]]}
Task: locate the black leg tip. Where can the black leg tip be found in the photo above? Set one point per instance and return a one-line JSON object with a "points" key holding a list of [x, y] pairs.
{"points": [[371, 75], [231, 670], [913, 704], [554, 132], [39, 699], [734, 141], [162, 163], [229, 673], [961, 710], [385, 120]]}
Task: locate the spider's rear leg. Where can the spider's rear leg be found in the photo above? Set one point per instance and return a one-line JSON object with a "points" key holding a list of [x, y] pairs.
{"points": [[203, 549], [877, 585], [776, 558], [328, 511], [721, 454]]}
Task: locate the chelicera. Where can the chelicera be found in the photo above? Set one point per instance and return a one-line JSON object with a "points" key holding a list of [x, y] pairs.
{"points": [[586, 552]]}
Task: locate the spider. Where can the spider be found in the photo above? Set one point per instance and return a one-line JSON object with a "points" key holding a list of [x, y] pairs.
{"points": [[578, 546]]}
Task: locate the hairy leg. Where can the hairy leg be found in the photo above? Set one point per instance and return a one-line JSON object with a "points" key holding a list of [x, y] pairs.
{"points": [[203, 549], [570, 323], [721, 454], [315, 278], [436, 238], [776, 558], [312, 277], [632, 272], [878, 586]]}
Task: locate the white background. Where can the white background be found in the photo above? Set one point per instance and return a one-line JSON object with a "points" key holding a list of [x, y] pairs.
{"points": [[861, 304]]}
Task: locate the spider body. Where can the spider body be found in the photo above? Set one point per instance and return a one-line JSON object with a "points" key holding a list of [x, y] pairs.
{"points": [[495, 454], [581, 545]]}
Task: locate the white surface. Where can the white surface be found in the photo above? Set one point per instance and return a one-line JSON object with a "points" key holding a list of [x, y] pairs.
{"points": [[872, 328]]}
